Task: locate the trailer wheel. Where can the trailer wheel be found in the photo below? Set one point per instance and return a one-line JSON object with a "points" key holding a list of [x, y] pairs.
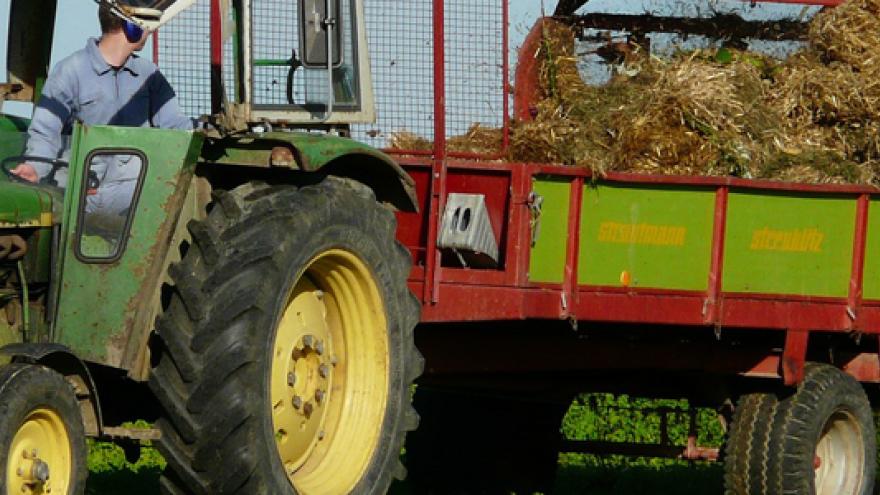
{"points": [[288, 346], [821, 440], [42, 442], [745, 453]]}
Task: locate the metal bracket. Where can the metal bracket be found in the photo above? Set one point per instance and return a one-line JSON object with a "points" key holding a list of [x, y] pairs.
{"points": [[534, 204]]}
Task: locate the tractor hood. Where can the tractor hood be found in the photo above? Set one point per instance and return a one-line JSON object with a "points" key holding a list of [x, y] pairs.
{"points": [[22, 205]]}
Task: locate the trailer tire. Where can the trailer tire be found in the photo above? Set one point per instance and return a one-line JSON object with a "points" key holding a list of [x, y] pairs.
{"points": [[745, 452], [828, 415], [41, 432], [286, 353]]}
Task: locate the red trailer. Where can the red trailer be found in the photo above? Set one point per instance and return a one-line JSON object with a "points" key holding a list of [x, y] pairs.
{"points": [[540, 282]]}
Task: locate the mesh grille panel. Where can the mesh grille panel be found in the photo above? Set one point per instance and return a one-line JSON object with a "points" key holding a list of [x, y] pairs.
{"points": [[475, 79], [400, 36], [185, 58]]}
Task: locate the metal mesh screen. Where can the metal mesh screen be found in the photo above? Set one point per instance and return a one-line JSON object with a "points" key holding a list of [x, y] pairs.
{"points": [[475, 64], [400, 36], [185, 58]]}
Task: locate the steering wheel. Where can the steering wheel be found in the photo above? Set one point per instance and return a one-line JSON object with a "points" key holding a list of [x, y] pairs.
{"points": [[11, 162]]}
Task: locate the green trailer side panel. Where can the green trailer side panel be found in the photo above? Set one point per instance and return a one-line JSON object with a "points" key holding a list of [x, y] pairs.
{"points": [[871, 284], [646, 236], [778, 243], [547, 257]]}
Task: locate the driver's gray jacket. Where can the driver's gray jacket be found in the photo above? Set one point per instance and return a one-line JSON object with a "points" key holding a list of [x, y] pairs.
{"points": [[84, 87]]}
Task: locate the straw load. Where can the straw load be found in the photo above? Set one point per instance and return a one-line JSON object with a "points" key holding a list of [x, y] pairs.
{"points": [[813, 118]]}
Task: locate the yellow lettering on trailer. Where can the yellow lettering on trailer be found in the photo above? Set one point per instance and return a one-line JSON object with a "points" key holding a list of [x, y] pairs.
{"points": [[795, 240], [642, 233]]}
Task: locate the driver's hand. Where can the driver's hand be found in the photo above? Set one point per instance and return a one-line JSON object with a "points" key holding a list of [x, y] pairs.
{"points": [[26, 171]]}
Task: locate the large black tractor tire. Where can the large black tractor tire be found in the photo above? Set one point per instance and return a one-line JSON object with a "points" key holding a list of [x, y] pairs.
{"points": [[473, 443], [42, 442], [286, 353], [819, 440]]}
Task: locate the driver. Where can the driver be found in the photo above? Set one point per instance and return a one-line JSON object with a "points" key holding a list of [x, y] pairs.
{"points": [[105, 83]]}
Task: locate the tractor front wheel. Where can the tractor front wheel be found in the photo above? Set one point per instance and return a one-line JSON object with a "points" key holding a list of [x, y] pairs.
{"points": [[42, 443]]}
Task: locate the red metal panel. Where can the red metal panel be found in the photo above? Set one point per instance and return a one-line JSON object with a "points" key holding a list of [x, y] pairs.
{"points": [[505, 47], [216, 58], [864, 367], [632, 307], [858, 260], [754, 184], [520, 239], [473, 303], [825, 3], [783, 314], [156, 47], [570, 277], [794, 355], [717, 264], [868, 320], [438, 167], [412, 228], [527, 85]]}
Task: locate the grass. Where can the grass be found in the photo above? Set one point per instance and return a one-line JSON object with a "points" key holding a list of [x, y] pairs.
{"points": [[593, 416]]}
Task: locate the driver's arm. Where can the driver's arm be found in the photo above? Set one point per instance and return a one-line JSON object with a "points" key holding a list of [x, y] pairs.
{"points": [[51, 114]]}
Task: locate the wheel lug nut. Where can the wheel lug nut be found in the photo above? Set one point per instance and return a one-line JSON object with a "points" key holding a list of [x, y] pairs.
{"points": [[319, 396], [319, 347], [291, 379], [321, 435], [19, 472], [297, 402], [334, 360], [319, 294], [34, 453], [308, 408], [308, 341], [323, 370]]}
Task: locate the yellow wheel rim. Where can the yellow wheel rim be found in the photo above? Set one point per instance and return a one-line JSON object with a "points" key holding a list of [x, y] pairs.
{"points": [[40, 456], [330, 372]]}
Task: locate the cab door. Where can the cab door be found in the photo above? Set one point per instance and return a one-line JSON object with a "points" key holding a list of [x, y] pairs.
{"points": [[123, 201]]}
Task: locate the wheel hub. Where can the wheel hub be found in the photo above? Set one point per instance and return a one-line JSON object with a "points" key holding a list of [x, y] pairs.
{"points": [[839, 458], [302, 356], [309, 378], [329, 374], [39, 456]]}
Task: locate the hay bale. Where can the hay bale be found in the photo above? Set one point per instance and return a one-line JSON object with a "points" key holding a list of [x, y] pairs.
{"points": [[808, 91], [408, 141], [849, 34], [813, 118]]}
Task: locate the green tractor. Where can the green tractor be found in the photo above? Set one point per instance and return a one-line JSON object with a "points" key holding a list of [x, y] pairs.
{"points": [[252, 300]]}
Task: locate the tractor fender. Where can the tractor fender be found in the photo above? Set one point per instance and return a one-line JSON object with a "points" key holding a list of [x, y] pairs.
{"points": [[322, 154], [61, 359]]}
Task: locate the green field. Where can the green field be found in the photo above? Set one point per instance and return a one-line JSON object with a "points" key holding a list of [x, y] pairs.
{"points": [[593, 417]]}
